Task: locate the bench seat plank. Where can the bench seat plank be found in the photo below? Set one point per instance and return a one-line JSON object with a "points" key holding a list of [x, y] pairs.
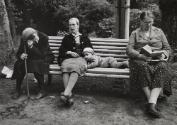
{"points": [[96, 75], [107, 76], [97, 70], [92, 39]]}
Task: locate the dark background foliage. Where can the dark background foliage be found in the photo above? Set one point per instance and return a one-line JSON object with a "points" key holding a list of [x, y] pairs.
{"points": [[51, 16], [96, 16]]}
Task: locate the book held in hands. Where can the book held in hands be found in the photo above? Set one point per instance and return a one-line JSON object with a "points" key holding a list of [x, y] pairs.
{"points": [[147, 51]]}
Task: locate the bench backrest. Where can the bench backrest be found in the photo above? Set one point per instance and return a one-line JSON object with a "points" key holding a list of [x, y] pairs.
{"points": [[103, 47]]}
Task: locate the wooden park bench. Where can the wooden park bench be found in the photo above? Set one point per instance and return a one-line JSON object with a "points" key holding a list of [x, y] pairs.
{"points": [[103, 47]]}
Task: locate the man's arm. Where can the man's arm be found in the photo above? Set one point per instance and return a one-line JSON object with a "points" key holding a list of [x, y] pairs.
{"points": [[20, 49]]}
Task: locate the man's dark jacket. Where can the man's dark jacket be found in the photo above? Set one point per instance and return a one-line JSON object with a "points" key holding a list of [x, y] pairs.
{"points": [[39, 56]]}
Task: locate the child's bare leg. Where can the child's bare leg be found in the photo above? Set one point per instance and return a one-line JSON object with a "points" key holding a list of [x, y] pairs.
{"points": [[115, 64]]}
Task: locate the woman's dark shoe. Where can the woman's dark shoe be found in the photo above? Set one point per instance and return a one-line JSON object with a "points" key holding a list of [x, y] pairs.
{"points": [[152, 111], [66, 100], [63, 98], [70, 101], [40, 95], [162, 98]]}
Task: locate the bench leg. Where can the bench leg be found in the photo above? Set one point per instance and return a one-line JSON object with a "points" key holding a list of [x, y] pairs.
{"points": [[126, 86], [49, 79]]}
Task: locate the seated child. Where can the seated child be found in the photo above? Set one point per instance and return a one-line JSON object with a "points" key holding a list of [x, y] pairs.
{"points": [[97, 61]]}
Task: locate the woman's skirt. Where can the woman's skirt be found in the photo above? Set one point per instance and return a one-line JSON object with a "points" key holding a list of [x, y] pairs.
{"points": [[156, 75], [77, 65]]}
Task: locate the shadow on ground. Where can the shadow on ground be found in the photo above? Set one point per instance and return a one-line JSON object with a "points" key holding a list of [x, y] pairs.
{"points": [[97, 102]]}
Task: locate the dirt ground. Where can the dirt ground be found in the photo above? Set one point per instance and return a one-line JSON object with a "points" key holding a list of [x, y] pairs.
{"points": [[96, 103]]}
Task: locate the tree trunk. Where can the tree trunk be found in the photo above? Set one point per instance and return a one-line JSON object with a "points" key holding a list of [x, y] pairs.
{"points": [[11, 18], [6, 44]]}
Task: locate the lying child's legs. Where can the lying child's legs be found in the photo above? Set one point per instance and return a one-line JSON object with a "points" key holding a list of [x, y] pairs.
{"points": [[115, 64]]}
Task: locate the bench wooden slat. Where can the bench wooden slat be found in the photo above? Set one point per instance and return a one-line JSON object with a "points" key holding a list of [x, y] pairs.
{"points": [[55, 41], [109, 47], [97, 47], [55, 72], [103, 55], [109, 44], [99, 51], [54, 48], [95, 43], [107, 50], [107, 76], [95, 75], [99, 70], [118, 59], [93, 39], [54, 44], [55, 37], [112, 55]]}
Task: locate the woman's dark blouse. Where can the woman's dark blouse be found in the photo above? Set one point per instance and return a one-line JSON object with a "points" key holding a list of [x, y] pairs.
{"points": [[69, 44]]}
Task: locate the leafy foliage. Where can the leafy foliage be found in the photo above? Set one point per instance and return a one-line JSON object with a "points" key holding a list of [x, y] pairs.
{"points": [[135, 13], [51, 16], [169, 20]]}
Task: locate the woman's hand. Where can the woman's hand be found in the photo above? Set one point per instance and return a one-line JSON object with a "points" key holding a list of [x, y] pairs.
{"points": [[24, 56], [163, 57], [73, 54], [143, 57]]}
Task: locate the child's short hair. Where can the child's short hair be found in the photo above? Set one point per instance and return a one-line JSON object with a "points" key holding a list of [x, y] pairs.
{"points": [[88, 50]]}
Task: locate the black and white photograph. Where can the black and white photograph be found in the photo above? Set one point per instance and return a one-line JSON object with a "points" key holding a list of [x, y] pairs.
{"points": [[88, 62]]}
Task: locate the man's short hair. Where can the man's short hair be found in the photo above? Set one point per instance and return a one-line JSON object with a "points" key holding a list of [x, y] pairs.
{"points": [[75, 19], [28, 33]]}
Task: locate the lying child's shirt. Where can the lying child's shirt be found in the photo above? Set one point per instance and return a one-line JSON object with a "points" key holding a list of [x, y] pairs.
{"points": [[107, 62]]}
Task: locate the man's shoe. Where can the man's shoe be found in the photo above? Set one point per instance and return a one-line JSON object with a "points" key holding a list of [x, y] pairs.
{"points": [[40, 95], [16, 95], [152, 111]]}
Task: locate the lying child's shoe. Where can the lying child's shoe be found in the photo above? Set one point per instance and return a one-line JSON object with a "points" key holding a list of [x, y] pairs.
{"points": [[125, 64]]}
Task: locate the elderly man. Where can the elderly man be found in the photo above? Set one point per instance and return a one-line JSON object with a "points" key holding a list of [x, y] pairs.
{"points": [[34, 47]]}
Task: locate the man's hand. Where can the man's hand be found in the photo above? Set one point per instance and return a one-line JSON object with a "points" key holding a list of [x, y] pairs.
{"points": [[73, 54], [30, 43], [24, 56]]}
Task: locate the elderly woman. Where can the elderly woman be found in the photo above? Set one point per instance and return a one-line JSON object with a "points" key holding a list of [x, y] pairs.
{"points": [[152, 75], [71, 59]]}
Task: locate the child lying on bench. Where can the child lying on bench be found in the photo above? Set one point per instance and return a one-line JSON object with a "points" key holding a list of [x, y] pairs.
{"points": [[97, 61]]}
